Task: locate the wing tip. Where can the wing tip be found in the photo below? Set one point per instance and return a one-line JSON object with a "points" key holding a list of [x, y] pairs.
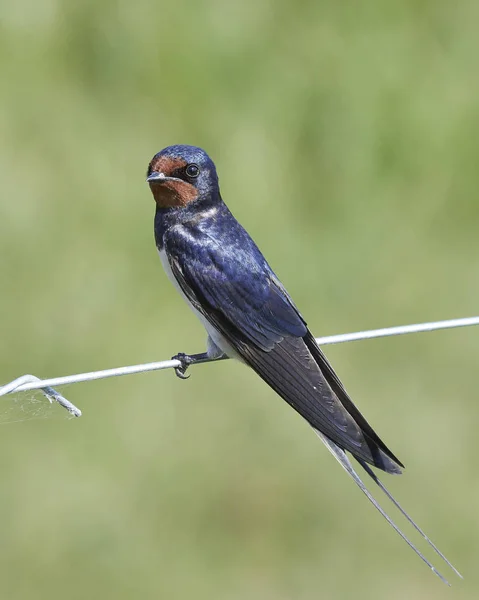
{"points": [[383, 461]]}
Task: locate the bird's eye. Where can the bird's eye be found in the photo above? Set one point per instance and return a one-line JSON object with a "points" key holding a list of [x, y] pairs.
{"points": [[192, 171]]}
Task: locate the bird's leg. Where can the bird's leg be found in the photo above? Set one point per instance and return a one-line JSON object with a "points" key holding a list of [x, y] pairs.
{"points": [[186, 360]]}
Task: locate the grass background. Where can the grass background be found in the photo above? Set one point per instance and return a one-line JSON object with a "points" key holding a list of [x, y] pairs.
{"points": [[346, 136]]}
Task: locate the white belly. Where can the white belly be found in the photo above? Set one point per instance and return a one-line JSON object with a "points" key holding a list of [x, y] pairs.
{"points": [[217, 338]]}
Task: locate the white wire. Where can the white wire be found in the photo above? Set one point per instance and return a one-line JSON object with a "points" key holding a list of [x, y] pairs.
{"points": [[30, 382], [400, 330]]}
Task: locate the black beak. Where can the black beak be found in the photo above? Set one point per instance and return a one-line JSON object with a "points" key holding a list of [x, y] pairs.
{"points": [[155, 176]]}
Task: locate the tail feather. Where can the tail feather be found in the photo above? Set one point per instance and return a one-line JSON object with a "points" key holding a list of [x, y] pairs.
{"points": [[340, 455], [381, 485]]}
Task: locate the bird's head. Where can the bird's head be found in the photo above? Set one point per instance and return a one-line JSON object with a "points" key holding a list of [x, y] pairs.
{"points": [[179, 175]]}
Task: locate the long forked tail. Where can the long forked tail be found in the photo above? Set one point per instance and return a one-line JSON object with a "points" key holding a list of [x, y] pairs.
{"points": [[340, 455]]}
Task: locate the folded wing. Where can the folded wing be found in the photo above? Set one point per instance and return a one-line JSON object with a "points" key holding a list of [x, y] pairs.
{"points": [[235, 289]]}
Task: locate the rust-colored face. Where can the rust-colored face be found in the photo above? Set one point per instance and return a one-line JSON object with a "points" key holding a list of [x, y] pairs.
{"points": [[172, 190]]}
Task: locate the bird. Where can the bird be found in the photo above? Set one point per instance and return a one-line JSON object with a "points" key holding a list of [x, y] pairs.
{"points": [[248, 315]]}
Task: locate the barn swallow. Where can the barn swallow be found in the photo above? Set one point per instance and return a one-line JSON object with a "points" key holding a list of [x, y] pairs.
{"points": [[248, 314]]}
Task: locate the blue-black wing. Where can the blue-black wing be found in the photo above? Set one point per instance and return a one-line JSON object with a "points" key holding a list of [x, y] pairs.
{"points": [[234, 288]]}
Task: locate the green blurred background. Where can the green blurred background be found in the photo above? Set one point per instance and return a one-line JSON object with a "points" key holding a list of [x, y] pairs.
{"points": [[346, 135]]}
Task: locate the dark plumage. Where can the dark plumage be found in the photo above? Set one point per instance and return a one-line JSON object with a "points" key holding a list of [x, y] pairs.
{"points": [[246, 310]]}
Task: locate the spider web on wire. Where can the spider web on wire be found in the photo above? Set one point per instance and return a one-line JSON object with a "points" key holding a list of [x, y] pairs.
{"points": [[40, 402], [18, 407]]}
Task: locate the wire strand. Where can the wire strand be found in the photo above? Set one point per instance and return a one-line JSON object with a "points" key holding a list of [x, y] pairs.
{"points": [[30, 382]]}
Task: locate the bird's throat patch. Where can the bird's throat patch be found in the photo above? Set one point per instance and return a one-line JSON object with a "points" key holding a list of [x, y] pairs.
{"points": [[173, 193]]}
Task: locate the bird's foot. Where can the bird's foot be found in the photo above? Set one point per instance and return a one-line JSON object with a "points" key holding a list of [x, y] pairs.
{"points": [[186, 361]]}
